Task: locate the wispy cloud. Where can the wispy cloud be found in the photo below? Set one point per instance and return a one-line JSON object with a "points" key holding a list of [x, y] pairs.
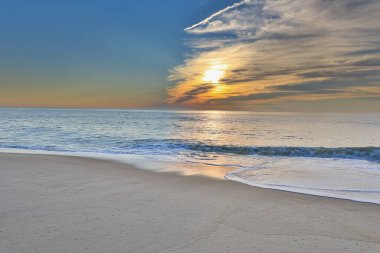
{"points": [[281, 50], [207, 20]]}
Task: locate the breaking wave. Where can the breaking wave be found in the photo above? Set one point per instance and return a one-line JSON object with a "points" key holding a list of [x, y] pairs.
{"points": [[173, 146], [360, 153]]}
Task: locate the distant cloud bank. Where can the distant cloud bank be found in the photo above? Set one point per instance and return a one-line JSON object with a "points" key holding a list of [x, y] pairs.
{"points": [[267, 51]]}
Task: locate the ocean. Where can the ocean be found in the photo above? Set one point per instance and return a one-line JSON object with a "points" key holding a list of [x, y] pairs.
{"points": [[333, 155]]}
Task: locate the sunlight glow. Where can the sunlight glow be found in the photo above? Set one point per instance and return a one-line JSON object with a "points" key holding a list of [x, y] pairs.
{"points": [[214, 74]]}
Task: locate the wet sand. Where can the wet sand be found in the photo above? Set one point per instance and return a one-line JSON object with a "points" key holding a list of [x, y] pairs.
{"points": [[68, 204]]}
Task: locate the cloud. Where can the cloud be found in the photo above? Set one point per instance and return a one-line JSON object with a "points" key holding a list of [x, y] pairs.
{"points": [[276, 50], [191, 94], [207, 20]]}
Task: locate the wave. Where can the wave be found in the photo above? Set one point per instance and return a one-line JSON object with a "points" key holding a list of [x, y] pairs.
{"points": [[173, 146], [361, 153]]}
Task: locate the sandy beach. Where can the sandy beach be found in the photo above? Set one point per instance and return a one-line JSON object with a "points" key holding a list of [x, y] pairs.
{"points": [[68, 204]]}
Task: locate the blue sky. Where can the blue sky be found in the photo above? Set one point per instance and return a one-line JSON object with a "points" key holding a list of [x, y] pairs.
{"points": [[126, 45]]}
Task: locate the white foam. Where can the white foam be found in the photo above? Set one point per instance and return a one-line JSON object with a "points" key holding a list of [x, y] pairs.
{"points": [[338, 178]]}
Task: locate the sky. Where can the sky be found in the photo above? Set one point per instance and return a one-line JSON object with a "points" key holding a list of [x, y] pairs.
{"points": [[264, 55]]}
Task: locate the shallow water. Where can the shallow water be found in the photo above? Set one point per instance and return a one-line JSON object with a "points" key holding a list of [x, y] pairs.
{"points": [[336, 155]]}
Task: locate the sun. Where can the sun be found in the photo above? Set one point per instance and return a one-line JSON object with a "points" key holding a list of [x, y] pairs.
{"points": [[214, 74]]}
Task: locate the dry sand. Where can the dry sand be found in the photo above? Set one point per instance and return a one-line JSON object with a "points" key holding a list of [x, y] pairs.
{"points": [[65, 204]]}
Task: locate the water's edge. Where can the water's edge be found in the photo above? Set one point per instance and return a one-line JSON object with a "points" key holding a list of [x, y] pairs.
{"points": [[137, 164], [231, 176]]}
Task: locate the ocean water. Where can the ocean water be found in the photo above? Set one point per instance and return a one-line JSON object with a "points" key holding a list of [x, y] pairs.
{"points": [[334, 155]]}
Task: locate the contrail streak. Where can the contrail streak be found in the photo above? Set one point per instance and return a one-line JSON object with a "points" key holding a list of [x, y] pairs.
{"points": [[205, 21]]}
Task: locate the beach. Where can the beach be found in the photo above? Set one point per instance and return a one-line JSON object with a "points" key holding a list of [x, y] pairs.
{"points": [[71, 204], [190, 126]]}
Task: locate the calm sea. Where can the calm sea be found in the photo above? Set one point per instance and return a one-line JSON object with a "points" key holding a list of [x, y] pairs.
{"points": [[335, 155]]}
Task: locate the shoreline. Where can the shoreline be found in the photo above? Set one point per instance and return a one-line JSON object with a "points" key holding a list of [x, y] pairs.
{"points": [[125, 159], [221, 174], [54, 203]]}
